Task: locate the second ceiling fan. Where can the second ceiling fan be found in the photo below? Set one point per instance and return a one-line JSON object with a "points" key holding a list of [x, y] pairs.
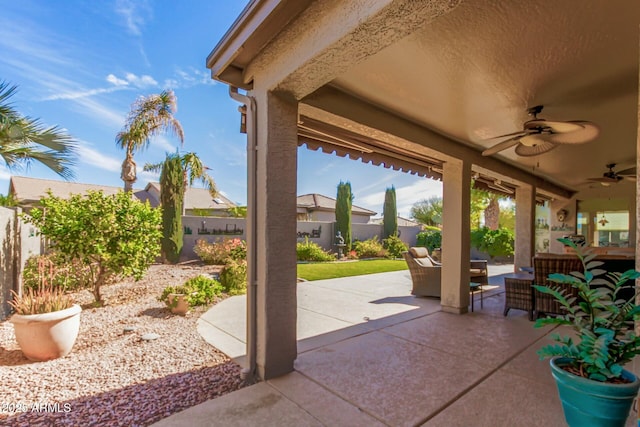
{"points": [[540, 136]]}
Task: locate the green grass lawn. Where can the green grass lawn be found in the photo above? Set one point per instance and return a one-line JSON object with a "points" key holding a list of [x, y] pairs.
{"points": [[332, 270]]}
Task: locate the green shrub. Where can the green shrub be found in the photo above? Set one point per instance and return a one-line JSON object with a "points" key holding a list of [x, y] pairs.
{"points": [[222, 251], [370, 248], [109, 234], [310, 251], [67, 276], [394, 246], [430, 238], [199, 290], [493, 242], [233, 277]]}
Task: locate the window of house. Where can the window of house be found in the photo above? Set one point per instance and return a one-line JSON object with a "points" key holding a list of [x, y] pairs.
{"points": [[611, 228]]}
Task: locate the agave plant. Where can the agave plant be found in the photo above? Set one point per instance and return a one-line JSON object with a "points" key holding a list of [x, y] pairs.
{"points": [[602, 318]]}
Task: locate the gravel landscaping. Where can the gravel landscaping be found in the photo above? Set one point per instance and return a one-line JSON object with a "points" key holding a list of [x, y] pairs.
{"points": [[112, 376]]}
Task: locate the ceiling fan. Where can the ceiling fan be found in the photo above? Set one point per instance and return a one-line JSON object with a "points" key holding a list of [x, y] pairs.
{"points": [[613, 177], [539, 135]]}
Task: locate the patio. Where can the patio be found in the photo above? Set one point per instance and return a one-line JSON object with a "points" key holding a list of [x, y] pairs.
{"points": [[367, 355]]}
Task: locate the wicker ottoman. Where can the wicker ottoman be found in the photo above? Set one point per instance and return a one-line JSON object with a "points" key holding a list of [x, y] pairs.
{"points": [[519, 293]]}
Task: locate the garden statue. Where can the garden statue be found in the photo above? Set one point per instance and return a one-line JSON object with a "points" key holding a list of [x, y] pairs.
{"points": [[340, 244]]}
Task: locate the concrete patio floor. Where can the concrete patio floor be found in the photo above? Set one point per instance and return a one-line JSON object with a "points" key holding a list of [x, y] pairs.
{"points": [[371, 354]]}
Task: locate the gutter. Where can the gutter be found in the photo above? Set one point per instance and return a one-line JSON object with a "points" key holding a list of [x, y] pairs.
{"points": [[249, 373]]}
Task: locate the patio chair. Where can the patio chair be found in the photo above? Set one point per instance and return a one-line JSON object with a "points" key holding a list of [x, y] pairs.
{"points": [[426, 272]]}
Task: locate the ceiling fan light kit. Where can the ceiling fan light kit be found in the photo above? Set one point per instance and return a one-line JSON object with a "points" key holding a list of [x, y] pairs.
{"points": [[540, 136], [533, 150]]}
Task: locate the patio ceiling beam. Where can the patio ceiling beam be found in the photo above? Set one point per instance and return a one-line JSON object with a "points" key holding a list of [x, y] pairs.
{"points": [[372, 119]]}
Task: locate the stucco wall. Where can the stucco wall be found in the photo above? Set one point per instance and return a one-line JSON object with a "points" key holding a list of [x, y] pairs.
{"points": [[19, 241], [210, 229], [320, 232]]}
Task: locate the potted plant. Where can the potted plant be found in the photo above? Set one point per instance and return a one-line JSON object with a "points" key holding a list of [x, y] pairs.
{"points": [[46, 322], [176, 298], [199, 290], [594, 388]]}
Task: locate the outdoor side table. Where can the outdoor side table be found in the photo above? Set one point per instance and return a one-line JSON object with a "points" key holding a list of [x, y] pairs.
{"points": [[475, 287], [519, 293]]}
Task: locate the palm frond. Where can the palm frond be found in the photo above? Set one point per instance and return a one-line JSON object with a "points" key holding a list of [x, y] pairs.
{"points": [[25, 139]]}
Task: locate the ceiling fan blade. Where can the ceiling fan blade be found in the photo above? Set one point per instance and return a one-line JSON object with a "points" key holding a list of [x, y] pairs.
{"points": [[628, 172], [540, 147], [501, 146], [605, 179], [563, 127], [585, 132], [518, 133]]}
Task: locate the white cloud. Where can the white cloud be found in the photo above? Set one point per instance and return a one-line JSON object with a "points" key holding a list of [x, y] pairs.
{"points": [[141, 81], [95, 158], [132, 14], [406, 196], [147, 175], [111, 78], [164, 144], [188, 78], [234, 154], [80, 94], [170, 83]]}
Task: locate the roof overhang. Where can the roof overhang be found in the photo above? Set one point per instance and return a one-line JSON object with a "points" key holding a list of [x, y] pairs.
{"points": [[257, 25]]}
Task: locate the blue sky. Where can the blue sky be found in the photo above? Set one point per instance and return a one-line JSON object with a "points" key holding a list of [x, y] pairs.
{"points": [[80, 65]]}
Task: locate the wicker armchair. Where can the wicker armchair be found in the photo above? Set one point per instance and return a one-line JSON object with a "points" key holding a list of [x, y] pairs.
{"points": [[426, 273], [545, 264], [426, 279]]}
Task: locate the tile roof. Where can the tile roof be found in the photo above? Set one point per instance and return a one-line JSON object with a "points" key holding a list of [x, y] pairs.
{"points": [[29, 191], [316, 201]]}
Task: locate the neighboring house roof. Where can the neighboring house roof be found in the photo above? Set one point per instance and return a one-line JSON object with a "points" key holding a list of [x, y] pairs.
{"points": [[402, 222], [194, 198], [318, 202], [29, 191]]}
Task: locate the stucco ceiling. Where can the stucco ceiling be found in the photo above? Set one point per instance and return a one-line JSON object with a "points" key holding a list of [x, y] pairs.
{"points": [[472, 74]]}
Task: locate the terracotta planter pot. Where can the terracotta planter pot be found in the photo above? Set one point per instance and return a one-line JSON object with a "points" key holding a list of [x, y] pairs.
{"points": [[181, 306], [47, 336]]}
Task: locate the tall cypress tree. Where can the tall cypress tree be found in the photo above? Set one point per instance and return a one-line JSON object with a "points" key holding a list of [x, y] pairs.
{"points": [[390, 213], [343, 212], [172, 198]]}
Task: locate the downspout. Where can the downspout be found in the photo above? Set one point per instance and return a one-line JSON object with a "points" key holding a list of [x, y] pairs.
{"points": [[249, 373]]}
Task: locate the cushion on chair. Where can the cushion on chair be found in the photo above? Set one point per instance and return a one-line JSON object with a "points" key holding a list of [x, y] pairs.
{"points": [[419, 252], [425, 262]]}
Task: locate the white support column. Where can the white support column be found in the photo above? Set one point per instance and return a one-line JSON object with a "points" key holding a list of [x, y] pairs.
{"points": [[525, 226], [275, 234], [456, 236]]}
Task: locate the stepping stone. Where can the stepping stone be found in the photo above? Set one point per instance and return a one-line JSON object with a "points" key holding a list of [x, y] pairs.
{"points": [[150, 336]]}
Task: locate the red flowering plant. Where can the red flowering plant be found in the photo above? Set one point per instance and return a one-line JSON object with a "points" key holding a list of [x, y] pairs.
{"points": [[222, 251]]}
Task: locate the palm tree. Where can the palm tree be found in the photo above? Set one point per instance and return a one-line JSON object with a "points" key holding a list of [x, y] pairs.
{"points": [[176, 173], [24, 139], [192, 170], [149, 117]]}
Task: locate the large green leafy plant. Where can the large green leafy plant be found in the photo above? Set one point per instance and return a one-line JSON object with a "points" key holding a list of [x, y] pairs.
{"points": [[602, 318], [111, 235]]}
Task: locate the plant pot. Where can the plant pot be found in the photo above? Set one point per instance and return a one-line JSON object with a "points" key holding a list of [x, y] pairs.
{"points": [[47, 336], [588, 403], [178, 304]]}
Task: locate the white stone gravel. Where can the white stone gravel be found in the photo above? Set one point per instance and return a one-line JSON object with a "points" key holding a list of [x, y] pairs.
{"points": [[113, 377]]}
